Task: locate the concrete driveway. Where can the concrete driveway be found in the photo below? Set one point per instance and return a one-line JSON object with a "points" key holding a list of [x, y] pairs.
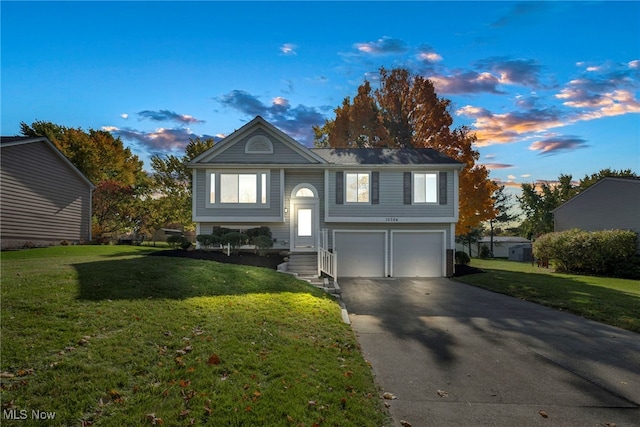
{"points": [[456, 355]]}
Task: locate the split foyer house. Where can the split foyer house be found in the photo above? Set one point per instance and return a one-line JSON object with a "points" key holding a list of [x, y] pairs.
{"points": [[364, 212], [44, 198]]}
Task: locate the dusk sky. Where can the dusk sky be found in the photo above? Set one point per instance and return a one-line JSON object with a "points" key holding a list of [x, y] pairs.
{"points": [[548, 87]]}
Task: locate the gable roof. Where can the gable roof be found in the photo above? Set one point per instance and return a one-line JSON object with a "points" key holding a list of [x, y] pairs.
{"points": [[332, 156], [11, 141], [257, 123], [587, 192], [384, 156]]}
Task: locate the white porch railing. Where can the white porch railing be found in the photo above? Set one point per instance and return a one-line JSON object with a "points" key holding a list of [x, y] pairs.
{"points": [[327, 261]]}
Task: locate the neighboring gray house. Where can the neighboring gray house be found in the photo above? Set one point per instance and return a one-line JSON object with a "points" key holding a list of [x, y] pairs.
{"points": [[44, 199], [611, 203], [363, 212]]}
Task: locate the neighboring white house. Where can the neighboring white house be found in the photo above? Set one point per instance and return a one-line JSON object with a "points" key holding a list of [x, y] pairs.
{"points": [[375, 212], [611, 203], [502, 245], [45, 199]]}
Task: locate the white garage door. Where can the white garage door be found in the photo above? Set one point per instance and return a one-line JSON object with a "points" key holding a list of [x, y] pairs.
{"points": [[417, 254], [360, 254]]}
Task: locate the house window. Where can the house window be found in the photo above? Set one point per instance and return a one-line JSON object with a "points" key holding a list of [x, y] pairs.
{"points": [[305, 192], [212, 188], [357, 187], [425, 187], [238, 188]]}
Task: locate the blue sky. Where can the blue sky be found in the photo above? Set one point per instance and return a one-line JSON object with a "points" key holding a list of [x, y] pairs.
{"points": [[548, 87]]}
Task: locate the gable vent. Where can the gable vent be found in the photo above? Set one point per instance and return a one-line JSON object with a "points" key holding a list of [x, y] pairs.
{"points": [[258, 144]]}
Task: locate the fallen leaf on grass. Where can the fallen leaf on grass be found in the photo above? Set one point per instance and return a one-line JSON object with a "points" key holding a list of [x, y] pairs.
{"points": [[25, 372], [6, 375], [214, 359], [154, 420]]}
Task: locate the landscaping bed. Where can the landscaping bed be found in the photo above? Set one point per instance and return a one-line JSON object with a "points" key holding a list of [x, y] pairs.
{"points": [[270, 261]]}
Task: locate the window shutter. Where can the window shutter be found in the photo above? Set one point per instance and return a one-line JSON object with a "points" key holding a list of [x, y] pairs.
{"points": [[407, 188], [375, 188], [339, 188], [442, 182]]}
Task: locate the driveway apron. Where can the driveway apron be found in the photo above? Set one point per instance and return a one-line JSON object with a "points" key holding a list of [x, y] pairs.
{"points": [[457, 355]]}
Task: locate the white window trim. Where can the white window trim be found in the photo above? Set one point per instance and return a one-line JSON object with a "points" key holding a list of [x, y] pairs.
{"points": [[259, 187], [368, 202], [304, 185], [413, 187]]}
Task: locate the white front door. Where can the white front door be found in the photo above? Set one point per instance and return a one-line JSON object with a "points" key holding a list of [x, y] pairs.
{"points": [[305, 220]]}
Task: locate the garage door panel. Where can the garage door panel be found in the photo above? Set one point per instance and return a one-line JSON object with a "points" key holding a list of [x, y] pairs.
{"points": [[360, 254], [417, 254]]}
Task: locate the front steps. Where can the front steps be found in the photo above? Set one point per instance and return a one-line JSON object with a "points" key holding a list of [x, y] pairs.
{"points": [[305, 267]]}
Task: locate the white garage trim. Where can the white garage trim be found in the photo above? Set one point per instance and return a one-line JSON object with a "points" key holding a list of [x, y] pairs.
{"points": [[342, 256], [443, 258]]}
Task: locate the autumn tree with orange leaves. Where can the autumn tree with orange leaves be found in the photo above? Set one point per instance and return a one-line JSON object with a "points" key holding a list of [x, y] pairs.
{"points": [[406, 112]]}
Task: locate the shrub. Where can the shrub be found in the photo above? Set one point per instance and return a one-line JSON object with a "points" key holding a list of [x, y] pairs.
{"points": [[176, 241], [484, 252], [462, 258], [256, 232], [263, 243], [208, 240], [233, 239], [596, 252]]}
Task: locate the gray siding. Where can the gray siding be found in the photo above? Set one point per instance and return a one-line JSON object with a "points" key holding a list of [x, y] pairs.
{"points": [[293, 178], [235, 154], [397, 227], [391, 201], [43, 200], [612, 203], [274, 206]]}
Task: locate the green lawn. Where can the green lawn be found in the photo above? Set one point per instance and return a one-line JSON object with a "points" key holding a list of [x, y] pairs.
{"points": [[607, 300], [107, 336]]}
